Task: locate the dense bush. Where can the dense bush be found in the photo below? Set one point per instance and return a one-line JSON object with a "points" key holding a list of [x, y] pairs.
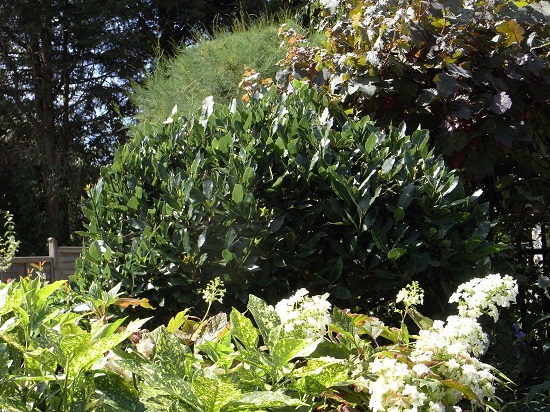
{"points": [[282, 194], [476, 74]]}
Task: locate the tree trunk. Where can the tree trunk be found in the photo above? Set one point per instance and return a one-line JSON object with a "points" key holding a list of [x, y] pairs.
{"points": [[45, 111]]}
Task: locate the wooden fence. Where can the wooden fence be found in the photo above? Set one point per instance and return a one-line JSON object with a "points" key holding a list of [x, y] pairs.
{"points": [[59, 264]]}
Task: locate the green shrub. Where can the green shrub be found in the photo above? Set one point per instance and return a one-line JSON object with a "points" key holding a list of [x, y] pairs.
{"points": [[282, 194]]}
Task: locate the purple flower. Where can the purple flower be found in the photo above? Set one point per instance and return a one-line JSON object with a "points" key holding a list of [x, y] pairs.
{"points": [[519, 340]]}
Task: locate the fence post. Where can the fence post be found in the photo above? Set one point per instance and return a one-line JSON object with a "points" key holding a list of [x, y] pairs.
{"points": [[53, 253]]}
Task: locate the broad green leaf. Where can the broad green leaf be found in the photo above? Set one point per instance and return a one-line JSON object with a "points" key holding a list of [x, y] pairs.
{"points": [[421, 138], [207, 187], [13, 404], [94, 251], [404, 333], [373, 327], [158, 378], [175, 323], [421, 321], [170, 351], [280, 146], [396, 253], [238, 193], [343, 321], [196, 163], [227, 255], [74, 344], [276, 223], [9, 324], [398, 214], [105, 330], [261, 401], [156, 400], [243, 330], [5, 361], [118, 394], [248, 175], [264, 315], [387, 166], [341, 187], [465, 389], [213, 393], [44, 292], [133, 203], [319, 375], [84, 359], [284, 347], [380, 238], [41, 359], [406, 196]]}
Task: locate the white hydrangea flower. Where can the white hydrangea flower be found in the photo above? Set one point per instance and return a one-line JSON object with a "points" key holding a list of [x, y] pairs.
{"points": [[394, 388], [456, 336], [330, 5], [309, 315], [485, 295], [446, 351]]}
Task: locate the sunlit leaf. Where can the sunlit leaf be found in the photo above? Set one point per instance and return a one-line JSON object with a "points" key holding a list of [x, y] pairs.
{"points": [[512, 31]]}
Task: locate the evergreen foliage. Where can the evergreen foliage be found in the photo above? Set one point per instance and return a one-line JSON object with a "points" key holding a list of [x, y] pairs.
{"points": [[211, 66], [281, 194]]}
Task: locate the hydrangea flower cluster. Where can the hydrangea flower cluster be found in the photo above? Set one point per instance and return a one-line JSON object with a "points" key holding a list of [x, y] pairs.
{"points": [[411, 295], [411, 386], [432, 373], [310, 315], [455, 336], [394, 389], [483, 295]]}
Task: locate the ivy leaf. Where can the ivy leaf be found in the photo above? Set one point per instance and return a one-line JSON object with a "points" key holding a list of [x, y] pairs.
{"points": [[512, 32], [501, 103]]}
